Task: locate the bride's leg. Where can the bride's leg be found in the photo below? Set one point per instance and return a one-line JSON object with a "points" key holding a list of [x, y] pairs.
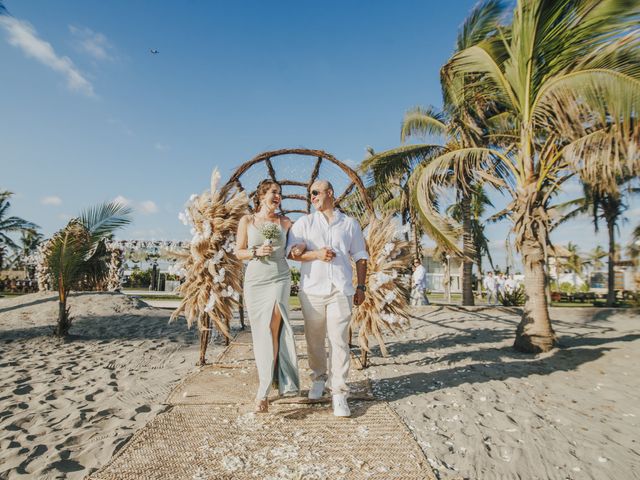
{"points": [[276, 323]]}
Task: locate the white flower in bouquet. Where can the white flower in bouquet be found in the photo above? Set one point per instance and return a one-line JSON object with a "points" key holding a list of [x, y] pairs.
{"points": [[270, 232]]}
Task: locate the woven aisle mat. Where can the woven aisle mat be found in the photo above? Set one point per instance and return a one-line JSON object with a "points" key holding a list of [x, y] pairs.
{"points": [[210, 432]]}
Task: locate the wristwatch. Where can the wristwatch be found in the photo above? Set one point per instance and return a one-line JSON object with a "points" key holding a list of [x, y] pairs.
{"points": [[362, 287]]}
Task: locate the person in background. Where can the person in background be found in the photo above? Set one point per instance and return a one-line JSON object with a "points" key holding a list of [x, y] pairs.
{"points": [[510, 285], [491, 286], [418, 284]]}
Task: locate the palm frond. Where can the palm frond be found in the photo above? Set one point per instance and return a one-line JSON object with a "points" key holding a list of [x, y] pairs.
{"points": [[384, 166], [480, 23], [103, 219], [423, 121]]}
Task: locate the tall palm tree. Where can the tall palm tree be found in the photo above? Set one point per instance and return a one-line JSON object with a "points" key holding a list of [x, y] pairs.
{"points": [[72, 253], [10, 225], [459, 128], [604, 201], [479, 203], [564, 77]]}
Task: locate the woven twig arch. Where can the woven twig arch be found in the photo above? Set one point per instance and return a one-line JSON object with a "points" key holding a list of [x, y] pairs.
{"points": [[353, 198]]}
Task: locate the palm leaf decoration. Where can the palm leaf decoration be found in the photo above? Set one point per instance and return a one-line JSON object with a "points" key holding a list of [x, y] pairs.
{"points": [[385, 307]]}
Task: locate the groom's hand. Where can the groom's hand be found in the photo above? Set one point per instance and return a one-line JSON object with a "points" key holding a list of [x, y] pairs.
{"points": [[358, 297], [325, 254]]}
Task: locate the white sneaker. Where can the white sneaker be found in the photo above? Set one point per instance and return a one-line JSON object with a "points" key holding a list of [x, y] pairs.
{"points": [[340, 406], [316, 390]]}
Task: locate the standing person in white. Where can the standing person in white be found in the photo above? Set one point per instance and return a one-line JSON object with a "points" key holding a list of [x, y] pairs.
{"points": [[491, 286], [418, 284], [332, 239]]}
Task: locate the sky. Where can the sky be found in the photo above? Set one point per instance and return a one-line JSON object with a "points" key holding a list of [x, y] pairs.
{"points": [[89, 114]]}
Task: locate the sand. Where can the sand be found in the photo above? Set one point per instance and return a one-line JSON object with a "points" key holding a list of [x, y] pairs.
{"points": [[480, 410], [67, 406]]}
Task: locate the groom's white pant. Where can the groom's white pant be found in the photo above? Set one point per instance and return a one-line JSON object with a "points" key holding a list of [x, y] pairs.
{"points": [[328, 316]]}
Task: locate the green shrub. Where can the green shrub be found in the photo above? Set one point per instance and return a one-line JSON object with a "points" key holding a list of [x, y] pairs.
{"points": [[512, 299]]}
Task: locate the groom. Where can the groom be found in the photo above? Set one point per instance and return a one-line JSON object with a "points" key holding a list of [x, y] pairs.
{"points": [[326, 290]]}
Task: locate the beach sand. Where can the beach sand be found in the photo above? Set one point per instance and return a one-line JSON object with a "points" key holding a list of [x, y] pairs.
{"points": [[67, 406], [481, 410]]}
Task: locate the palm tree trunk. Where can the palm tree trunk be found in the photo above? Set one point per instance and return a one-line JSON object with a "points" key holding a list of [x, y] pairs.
{"points": [[416, 239], [534, 333], [611, 279], [479, 264], [64, 323], [467, 252]]}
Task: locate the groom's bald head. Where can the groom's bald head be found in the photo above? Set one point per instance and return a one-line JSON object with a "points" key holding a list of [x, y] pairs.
{"points": [[322, 194], [322, 185]]}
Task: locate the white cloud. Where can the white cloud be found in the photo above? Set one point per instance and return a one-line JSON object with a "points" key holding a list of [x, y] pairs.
{"points": [[122, 200], [24, 36], [90, 42], [51, 200], [148, 207]]}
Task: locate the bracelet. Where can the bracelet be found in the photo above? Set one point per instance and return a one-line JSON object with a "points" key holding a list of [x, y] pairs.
{"points": [[254, 251]]}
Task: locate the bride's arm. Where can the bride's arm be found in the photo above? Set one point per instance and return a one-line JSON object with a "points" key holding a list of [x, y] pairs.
{"points": [[296, 249], [241, 251]]}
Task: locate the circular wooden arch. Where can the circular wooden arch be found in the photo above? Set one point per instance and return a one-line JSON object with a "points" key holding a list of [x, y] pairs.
{"points": [[318, 156]]}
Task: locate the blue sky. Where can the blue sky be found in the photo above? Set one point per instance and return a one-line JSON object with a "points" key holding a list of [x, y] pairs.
{"points": [[89, 114]]}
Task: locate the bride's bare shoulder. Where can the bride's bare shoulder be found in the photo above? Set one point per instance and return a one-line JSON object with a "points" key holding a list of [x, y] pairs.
{"points": [[286, 221]]}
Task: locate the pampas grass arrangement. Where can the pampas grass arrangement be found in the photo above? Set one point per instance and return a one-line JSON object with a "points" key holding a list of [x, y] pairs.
{"points": [[385, 306], [213, 280]]}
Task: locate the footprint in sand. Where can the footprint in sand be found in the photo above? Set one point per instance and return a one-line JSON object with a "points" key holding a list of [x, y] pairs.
{"points": [[23, 390]]}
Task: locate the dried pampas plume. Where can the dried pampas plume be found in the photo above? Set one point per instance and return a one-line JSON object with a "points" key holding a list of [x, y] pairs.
{"points": [[385, 305], [213, 280]]}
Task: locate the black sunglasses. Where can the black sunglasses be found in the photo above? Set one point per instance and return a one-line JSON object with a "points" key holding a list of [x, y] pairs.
{"points": [[315, 192]]}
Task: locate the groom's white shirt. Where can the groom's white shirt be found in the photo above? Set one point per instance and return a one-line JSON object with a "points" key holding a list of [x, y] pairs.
{"points": [[344, 236]]}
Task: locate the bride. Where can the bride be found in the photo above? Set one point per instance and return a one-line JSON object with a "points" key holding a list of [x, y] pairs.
{"points": [[261, 240]]}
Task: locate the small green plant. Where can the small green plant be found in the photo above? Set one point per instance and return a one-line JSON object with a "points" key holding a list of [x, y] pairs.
{"points": [[513, 298], [566, 287]]}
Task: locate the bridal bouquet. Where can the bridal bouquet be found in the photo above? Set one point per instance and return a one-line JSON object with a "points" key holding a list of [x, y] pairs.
{"points": [[270, 232]]}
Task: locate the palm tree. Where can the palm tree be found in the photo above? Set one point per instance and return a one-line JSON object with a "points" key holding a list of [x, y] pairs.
{"points": [[479, 203], [564, 78], [29, 241], [595, 257], [390, 187], [72, 253], [459, 127], [10, 224], [608, 204]]}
